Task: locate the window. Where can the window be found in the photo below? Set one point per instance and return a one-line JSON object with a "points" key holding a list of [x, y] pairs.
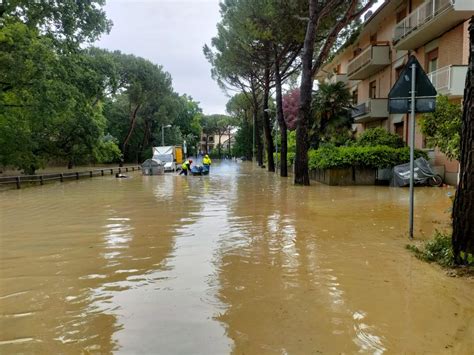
{"points": [[356, 52], [354, 97], [401, 14], [373, 38], [399, 129], [373, 89], [338, 69], [211, 139], [432, 60]]}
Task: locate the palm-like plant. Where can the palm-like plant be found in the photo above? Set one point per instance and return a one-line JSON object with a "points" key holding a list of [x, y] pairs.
{"points": [[332, 119]]}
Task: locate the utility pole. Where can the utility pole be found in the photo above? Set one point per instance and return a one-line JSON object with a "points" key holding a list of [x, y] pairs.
{"points": [[163, 134]]}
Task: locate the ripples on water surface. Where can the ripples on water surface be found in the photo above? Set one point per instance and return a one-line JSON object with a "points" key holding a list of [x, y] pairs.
{"points": [[240, 261]]}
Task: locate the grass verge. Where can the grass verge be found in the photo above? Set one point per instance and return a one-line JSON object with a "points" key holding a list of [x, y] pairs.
{"points": [[439, 250]]}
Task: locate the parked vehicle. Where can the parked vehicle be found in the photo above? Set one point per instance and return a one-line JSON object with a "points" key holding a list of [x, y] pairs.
{"points": [[170, 156], [424, 175], [152, 167]]}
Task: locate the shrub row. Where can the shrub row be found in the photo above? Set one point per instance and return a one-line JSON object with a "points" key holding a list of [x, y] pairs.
{"points": [[370, 157], [290, 158]]}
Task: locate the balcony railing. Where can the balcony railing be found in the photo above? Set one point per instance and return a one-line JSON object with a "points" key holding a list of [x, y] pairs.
{"points": [[370, 110], [430, 20], [362, 59], [449, 80], [335, 78], [422, 14], [368, 62]]}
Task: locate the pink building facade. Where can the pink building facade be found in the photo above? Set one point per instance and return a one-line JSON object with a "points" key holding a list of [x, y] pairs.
{"points": [[436, 32]]}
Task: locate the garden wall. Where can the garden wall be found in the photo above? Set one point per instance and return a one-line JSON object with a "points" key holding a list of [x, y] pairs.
{"points": [[345, 176]]}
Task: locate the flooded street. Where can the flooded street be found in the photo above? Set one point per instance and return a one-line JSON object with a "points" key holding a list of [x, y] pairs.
{"points": [[240, 261]]}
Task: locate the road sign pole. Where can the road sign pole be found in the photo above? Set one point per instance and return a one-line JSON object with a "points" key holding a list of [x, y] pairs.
{"points": [[405, 89], [412, 147]]}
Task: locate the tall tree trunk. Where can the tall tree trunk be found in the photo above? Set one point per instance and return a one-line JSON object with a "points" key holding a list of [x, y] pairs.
{"points": [[304, 113], [219, 146], [145, 139], [256, 124], [133, 120], [281, 120], [463, 209], [266, 123]]}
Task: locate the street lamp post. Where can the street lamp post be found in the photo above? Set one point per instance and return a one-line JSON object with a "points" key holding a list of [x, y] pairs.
{"points": [[163, 134]]}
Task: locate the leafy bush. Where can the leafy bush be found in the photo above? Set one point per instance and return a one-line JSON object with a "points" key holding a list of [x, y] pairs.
{"points": [[443, 127], [438, 250], [379, 136], [290, 157], [107, 152], [372, 157]]}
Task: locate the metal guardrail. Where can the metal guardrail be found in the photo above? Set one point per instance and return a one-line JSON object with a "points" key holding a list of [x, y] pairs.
{"points": [[421, 15], [41, 179]]}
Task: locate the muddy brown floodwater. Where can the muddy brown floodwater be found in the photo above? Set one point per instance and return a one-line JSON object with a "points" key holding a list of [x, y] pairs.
{"points": [[237, 262]]}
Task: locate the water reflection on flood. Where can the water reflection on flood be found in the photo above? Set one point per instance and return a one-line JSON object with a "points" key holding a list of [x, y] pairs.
{"points": [[240, 261]]}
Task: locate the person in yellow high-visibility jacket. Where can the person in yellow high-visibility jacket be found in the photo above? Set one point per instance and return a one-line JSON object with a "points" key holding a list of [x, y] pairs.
{"points": [[185, 167], [206, 162]]}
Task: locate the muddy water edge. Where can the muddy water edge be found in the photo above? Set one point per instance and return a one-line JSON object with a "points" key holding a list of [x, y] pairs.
{"points": [[237, 262]]}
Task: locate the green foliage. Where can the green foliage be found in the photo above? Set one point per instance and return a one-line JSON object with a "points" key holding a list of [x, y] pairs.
{"points": [[333, 122], [50, 104], [57, 100], [107, 151], [329, 157], [243, 141], [443, 127], [68, 22], [379, 136], [290, 157], [438, 250]]}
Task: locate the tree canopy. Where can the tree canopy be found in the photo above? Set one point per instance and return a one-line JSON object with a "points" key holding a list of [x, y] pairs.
{"points": [[64, 102]]}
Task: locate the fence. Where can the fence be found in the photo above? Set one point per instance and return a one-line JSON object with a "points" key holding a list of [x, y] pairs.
{"points": [[43, 178]]}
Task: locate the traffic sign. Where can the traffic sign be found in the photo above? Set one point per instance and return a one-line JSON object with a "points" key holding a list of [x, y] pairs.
{"points": [[413, 92], [400, 95]]}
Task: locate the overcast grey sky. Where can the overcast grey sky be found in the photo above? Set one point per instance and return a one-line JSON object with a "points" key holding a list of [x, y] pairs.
{"points": [[171, 33]]}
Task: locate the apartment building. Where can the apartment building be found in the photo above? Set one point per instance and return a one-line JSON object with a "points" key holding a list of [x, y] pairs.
{"points": [[210, 143], [436, 32]]}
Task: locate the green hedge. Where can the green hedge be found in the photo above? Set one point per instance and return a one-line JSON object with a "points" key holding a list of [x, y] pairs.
{"points": [[290, 158], [378, 136], [371, 157]]}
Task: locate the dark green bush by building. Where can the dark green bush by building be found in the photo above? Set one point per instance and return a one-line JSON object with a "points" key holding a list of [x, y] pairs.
{"points": [[378, 136], [369, 157]]}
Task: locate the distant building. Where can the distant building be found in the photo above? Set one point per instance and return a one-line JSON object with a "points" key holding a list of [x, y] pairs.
{"points": [[208, 144], [436, 32]]}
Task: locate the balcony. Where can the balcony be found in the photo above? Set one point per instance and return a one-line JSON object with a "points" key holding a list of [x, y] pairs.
{"points": [[371, 110], [335, 78], [449, 80], [368, 62], [430, 20]]}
